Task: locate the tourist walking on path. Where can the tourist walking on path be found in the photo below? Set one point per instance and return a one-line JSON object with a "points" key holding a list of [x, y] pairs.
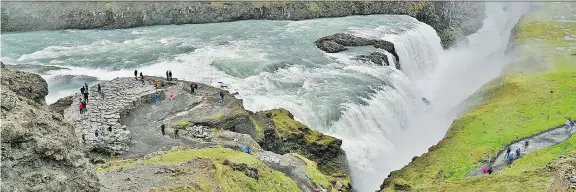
{"points": [[82, 89], [99, 89], [510, 158], [81, 107], [508, 151], [167, 76], [86, 96], [221, 97], [518, 152], [170, 74], [86, 85], [176, 133], [136, 74], [83, 138], [490, 170], [110, 129], [141, 76], [102, 94], [163, 129], [485, 169], [96, 132]]}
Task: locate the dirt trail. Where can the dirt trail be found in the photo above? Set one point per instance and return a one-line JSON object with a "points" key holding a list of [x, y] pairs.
{"points": [[538, 141]]}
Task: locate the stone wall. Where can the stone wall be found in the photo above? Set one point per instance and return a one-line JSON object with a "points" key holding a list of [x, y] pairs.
{"points": [[450, 19]]}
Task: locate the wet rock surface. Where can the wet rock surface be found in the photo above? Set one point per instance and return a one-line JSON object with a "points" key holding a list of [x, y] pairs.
{"points": [[39, 151], [337, 42]]}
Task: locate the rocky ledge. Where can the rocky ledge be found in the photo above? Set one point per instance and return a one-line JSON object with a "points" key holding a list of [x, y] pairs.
{"points": [[128, 120], [39, 150], [339, 41]]}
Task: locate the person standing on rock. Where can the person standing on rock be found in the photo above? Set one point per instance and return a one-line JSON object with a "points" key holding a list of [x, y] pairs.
{"points": [[167, 76], [83, 138], [221, 97], [192, 87], [170, 74], [136, 74], [176, 133], [490, 170], [86, 85], [110, 129], [82, 89], [96, 132], [163, 129], [86, 96], [99, 89]]}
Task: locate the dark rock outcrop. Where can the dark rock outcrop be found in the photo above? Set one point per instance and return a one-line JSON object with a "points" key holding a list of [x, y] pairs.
{"points": [[62, 104], [282, 134], [39, 151], [376, 58], [243, 167], [330, 46], [19, 16], [335, 43]]}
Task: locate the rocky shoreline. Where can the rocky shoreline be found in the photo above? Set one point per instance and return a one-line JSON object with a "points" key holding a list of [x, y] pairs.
{"points": [[452, 20], [280, 145]]}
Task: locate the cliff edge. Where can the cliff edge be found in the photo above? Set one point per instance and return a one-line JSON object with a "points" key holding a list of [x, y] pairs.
{"points": [[39, 150]]}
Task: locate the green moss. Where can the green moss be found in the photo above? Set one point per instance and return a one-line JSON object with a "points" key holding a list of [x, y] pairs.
{"points": [[315, 174], [313, 7], [114, 165], [258, 126], [216, 117], [287, 125], [217, 4], [525, 101], [182, 125], [228, 179]]}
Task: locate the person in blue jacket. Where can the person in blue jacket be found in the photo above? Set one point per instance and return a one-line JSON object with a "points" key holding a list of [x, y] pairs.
{"points": [[510, 158]]}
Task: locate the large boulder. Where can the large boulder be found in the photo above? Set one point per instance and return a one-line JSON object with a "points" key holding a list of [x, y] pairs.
{"points": [[27, 85], [39, 151], [337, 42]]}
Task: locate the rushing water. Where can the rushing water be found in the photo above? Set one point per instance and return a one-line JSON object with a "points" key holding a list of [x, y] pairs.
{"points": [[377, 111]]}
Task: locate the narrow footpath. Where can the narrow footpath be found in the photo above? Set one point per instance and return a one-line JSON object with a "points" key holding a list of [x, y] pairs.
{"points": [[542, 140]]}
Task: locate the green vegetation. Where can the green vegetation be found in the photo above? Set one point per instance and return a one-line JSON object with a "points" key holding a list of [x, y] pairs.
{"points": [[259, 128], [286, 125], [216, 117], [182, 125], [315, 174], [217, 4], [313, 7], [114, 165], [318, 177], [228, 179], [536, 94]]}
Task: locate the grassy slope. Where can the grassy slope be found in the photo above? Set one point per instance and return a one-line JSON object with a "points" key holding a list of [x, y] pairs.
{"points": [[515, 106], [227, 179]]}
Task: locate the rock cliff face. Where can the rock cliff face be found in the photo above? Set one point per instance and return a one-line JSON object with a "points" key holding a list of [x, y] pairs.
{"points": [[39, 150], [450, 19]]}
